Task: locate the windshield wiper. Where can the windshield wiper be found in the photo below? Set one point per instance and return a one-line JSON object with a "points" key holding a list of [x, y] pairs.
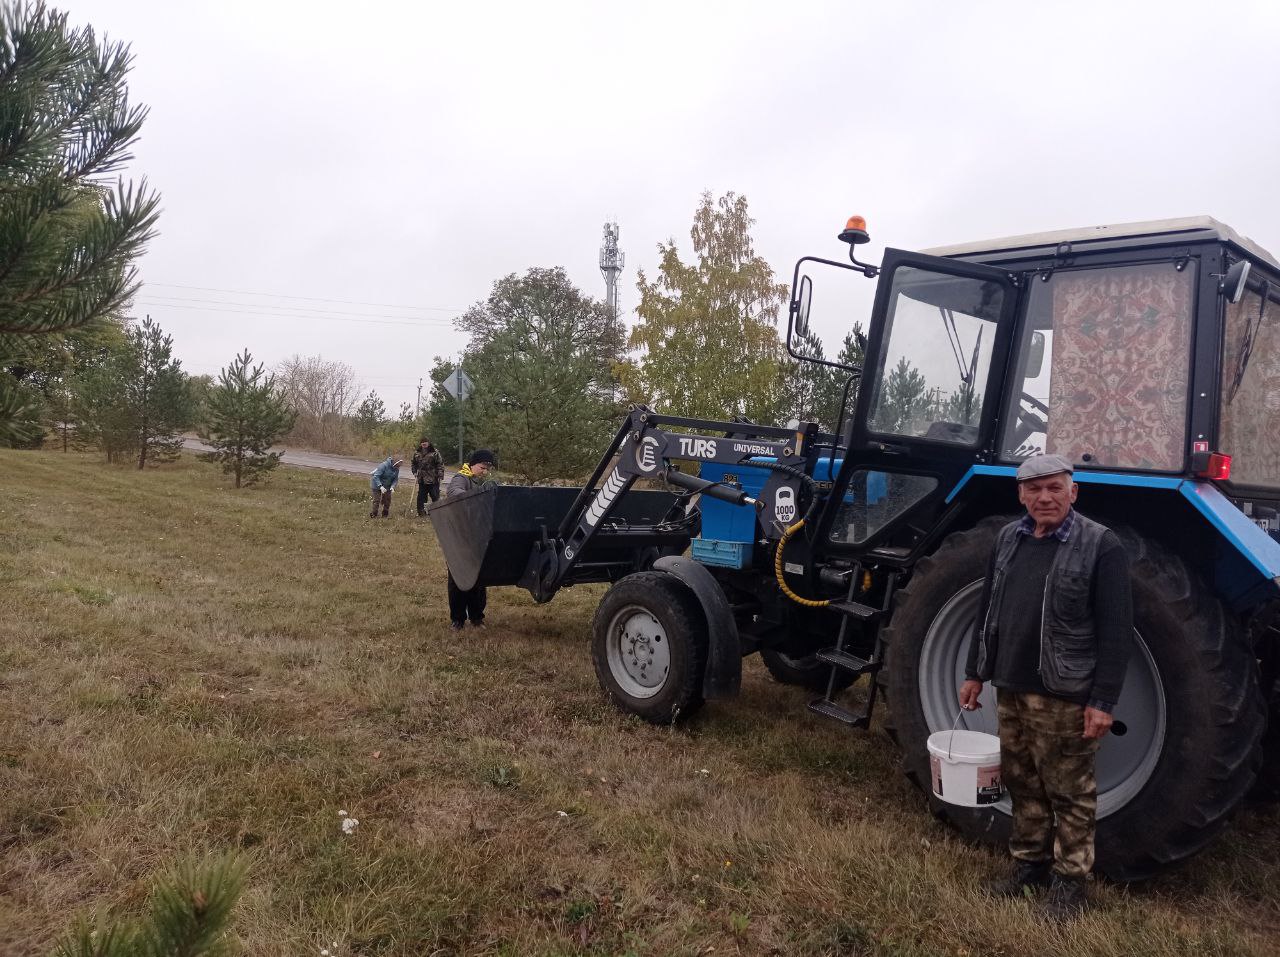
{"points": [[953, 337], [968, 372], [1247, 343]]}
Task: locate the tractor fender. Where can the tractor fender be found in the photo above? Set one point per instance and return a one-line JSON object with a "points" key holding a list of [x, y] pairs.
{"points": [[1244, 564], [723, 676]]}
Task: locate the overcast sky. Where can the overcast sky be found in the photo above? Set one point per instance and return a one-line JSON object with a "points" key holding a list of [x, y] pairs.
{"points": [[326, 165]]}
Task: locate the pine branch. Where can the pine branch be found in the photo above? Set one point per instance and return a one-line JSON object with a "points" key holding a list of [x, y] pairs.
{"points": [[191, 911], [66, 244], [91, 277], [190, 917], [19, 414]]}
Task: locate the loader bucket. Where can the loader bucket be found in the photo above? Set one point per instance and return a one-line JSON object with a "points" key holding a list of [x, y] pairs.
{"points": [[488, 534]]}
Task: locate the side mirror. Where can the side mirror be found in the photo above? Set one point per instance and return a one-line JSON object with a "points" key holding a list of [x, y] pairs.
{"points": [[1035, 355], [1233, 282], [800, 306]]}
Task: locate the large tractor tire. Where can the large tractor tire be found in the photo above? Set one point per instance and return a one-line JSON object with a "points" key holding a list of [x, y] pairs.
{"points": [[1185, 743], [1269, 778], [649, 646]]}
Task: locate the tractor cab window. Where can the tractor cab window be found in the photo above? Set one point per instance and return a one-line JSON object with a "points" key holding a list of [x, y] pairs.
{"points": [[874, 499], [1102, 367], [933, 369], [1250, 423]]}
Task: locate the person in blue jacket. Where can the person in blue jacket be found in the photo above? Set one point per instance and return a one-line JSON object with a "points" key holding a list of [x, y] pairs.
{"points": [[381, 482]]}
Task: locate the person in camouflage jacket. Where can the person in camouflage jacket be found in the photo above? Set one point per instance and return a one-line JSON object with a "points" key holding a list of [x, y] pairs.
{"points": [[429, 468]]}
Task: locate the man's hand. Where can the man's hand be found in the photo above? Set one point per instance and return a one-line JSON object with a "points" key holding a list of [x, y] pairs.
{"points": [[969, 692], [1096, 723], [381, 489]]}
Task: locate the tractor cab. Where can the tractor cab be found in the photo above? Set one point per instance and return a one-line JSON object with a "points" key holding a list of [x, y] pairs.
{"points": [[1149, 349]]}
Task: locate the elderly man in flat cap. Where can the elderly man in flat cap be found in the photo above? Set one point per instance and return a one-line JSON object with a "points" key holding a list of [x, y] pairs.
{"points": [[1055, 628]]}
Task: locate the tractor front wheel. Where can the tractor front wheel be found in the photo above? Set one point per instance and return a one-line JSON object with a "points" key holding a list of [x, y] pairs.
{"points": [[649, 646]]}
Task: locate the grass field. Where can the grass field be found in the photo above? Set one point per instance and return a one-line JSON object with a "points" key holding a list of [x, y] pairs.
{"points": [[186, 669]]}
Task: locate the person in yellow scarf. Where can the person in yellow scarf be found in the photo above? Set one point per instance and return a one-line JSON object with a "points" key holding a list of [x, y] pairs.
{"points": [[469, 604]]}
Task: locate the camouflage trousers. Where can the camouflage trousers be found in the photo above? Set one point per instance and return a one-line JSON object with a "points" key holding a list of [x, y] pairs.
{"points": [[1048, 770]]}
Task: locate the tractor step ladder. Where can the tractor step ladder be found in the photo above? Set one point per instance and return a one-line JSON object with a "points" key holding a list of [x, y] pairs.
{"points": [[841, 660]]}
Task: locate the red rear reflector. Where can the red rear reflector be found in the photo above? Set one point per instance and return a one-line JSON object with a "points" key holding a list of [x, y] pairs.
{"points": [[1211, 465]]}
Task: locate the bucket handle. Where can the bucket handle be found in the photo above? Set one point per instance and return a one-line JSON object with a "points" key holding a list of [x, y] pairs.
{"points": [[951, 737]]}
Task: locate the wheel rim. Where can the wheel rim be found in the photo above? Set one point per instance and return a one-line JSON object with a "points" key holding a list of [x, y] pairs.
{"points": [[638, 652], [1127, 757]]}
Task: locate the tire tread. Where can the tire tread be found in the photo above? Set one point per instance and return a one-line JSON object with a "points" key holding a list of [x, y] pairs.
{"points": [[1226, 662]]}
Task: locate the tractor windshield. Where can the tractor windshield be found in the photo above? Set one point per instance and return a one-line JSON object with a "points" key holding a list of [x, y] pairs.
{"points": [[1102, 367], [933, 369]]}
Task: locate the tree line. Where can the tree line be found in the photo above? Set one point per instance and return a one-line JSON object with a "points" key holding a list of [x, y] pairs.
{"points": [[554, 369], [555, 372]]}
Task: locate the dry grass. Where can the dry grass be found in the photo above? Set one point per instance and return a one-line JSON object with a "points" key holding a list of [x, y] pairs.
{"points": [[185, 668]]}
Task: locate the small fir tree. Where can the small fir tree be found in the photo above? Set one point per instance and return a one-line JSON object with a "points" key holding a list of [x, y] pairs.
{"points": [[191, 911], [905, 403], [246, 415], [137, 401], [156, 394], [100, 409], [370, 414]]}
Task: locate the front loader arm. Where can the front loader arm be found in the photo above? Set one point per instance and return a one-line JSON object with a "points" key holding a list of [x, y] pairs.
{"points": [[643, 449]]}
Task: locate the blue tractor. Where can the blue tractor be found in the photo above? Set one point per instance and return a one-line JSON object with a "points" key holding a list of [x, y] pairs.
{"points": [[1148, 354]]}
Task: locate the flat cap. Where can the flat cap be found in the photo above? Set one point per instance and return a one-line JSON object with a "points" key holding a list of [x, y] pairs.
{"points": [[1038, 466]]}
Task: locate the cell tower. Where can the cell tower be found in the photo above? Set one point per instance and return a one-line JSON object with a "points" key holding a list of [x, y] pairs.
{"points": [[611, 263]]}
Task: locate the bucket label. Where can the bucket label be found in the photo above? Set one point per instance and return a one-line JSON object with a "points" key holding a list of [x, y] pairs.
{"points": [[989, 788], [935, 772]]}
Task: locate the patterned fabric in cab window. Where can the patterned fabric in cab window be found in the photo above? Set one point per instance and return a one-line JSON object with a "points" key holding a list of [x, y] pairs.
{"points": [[1118, 379]]}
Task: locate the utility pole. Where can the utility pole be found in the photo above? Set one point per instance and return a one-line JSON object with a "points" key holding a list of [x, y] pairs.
{"points": [[611, 263], [417, 408]]}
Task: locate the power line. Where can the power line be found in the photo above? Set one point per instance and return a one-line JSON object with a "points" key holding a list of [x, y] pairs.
{"points": [[420, 324], [276, 295], [303, 309]]}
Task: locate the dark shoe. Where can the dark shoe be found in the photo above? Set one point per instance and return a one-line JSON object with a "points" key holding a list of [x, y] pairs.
{"points": [[1027, 878], [478, 624], [1065, 901], [456, 625]]}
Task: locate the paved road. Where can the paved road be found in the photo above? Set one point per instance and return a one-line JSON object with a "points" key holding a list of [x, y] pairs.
{"points": [[315, 460]]}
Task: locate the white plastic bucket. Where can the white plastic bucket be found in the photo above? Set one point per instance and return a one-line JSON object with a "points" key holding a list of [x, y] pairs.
{"points": [[965, 767]]}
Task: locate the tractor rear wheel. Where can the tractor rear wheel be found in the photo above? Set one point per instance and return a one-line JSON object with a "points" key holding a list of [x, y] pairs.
{"points": [[649, 647], [1185, 745]]}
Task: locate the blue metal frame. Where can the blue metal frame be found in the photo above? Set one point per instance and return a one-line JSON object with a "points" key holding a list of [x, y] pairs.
{"points": [[1258, 550]]}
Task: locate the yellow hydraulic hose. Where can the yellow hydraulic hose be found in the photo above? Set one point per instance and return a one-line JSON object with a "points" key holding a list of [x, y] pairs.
{"points": [[777, 571]]}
